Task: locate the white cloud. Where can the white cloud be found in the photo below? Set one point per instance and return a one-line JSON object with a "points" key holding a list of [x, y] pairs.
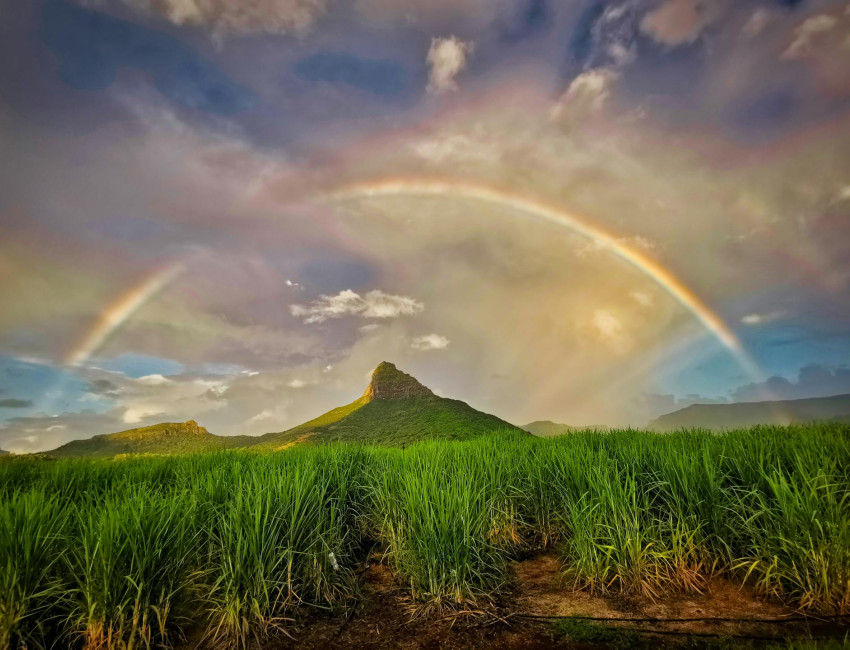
{"points": [[675, 22], [375, 304], [594, 246], [430, 342], [757, 22], [153, 380], [265, 414], [447, 57], [134, 415], [608, 325], [761, 319], [806, 33], [229, 17], [586, 94], [297, 383], [642, 298], [456, 147]]}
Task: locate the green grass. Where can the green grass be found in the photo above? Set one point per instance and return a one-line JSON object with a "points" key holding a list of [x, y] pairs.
{"points": [[129, 552]]}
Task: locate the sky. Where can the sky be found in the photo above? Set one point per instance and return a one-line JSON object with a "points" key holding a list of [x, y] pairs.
{"points": [[587, 211]]}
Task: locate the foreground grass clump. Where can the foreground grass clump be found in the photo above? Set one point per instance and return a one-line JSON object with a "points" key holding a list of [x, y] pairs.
{"points": [[32, 527], [128, 553]]}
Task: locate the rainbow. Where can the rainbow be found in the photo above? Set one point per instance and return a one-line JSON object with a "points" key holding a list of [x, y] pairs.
{"points": [[120, 310], [397, 187]]}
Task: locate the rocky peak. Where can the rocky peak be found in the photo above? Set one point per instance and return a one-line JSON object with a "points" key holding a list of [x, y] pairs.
{"points": [[193, 427], [388, 382]]}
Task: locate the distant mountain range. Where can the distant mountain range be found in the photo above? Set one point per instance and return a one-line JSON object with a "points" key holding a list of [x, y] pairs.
{"points": [[395, 409], [549, 429], [747, 414]]}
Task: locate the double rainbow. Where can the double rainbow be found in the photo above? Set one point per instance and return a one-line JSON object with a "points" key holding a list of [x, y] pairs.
{"points": [[121, 310]]}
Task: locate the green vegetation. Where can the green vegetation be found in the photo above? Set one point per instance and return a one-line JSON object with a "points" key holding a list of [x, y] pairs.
{"points": [[127, 552], [165, 438], [403, 422]]}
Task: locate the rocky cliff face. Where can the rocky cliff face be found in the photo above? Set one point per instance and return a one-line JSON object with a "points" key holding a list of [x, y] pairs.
{"points": [[388, 382], [190, 426]]}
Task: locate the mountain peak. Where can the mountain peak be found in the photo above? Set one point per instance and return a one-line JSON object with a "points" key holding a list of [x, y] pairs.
{"points": [[388, 382]]}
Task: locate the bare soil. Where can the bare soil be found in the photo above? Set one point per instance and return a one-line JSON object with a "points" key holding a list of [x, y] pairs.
{"points": [[384, 618]]}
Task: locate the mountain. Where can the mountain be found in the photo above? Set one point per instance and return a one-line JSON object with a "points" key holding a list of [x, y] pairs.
{"points": [[166, 438], [395, 409], [548, 429], [747, 414]]}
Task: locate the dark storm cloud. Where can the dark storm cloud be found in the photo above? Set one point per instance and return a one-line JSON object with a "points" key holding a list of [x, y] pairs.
{"points": [[377, 76], [92, 47], [12, 403], [813, 380]]}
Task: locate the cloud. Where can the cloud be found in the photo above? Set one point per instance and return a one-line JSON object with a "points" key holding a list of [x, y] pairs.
{"points": [[822, 42], [12, 403], [675, 22], [813, 380], [608, 325], [594, 246], [642, 298], [586, 94], [227, 17], [447, 57], [375, 304], [430, 342], [806, 34], [761, 319], [759, 20]]}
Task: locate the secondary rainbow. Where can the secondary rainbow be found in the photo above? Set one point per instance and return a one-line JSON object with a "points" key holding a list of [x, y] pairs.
{"points": [[392, 187], [120, 310]]}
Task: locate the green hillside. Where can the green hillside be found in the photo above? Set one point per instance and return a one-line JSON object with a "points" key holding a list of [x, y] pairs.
{"points": [[396, 410], [747, 414], [165, 438]]}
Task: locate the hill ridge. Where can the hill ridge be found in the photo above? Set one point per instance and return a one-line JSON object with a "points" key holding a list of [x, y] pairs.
{"points": [[745, 414]]}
